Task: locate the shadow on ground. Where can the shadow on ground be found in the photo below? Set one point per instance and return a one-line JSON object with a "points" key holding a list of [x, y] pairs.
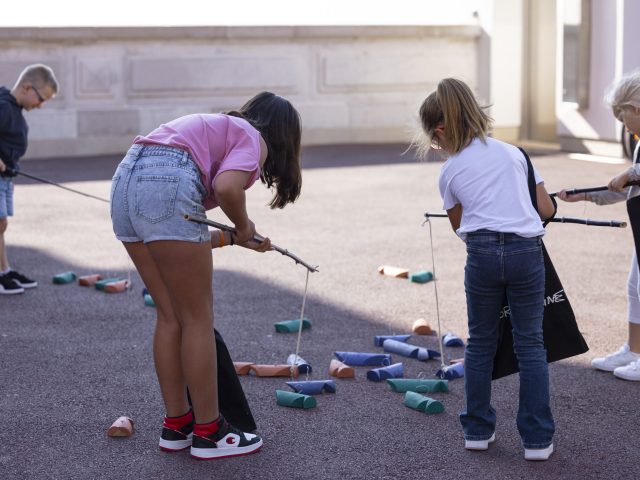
{"points": [[73, 359]]}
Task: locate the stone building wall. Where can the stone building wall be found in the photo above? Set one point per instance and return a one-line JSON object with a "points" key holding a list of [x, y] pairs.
{"points": [[350, 84]]}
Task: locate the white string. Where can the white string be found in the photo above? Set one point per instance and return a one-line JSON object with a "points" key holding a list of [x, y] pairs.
{"points": [[435, 286], [129, 268], [304, 300]]}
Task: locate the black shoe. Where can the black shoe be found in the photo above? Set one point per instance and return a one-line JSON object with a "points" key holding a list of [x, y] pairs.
{"points": [[172, 440], [21, 280], [8, 286], [228, 441]]}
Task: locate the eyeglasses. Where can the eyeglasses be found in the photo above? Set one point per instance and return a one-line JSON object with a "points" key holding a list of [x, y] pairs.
{"points": [[620, 112], [41, 99]]}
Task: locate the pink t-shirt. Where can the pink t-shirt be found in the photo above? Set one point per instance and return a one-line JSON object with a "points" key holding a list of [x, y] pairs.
{"points": [[217, 143]]}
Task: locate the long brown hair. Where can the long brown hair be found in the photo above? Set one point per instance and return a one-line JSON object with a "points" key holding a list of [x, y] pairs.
{"points": [[279, 124], [454, 107]]}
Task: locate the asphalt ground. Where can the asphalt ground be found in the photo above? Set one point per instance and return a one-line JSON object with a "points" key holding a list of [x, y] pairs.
{"points": [[73, 359]]}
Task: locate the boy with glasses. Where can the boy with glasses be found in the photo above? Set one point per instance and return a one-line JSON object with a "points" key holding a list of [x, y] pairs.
{"points": [[35, 85]]}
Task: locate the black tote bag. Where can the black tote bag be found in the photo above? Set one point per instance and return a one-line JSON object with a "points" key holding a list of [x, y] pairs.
{"points": [[231, 399], [633, 209], [562, 338]]}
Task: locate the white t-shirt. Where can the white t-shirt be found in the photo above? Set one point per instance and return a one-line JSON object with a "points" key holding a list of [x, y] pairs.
{"points": [[490, 182]]}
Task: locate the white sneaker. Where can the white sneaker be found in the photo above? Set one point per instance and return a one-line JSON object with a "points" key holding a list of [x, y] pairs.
{"points": [[622, 357], [479, 444], [538, 454], [629, 372]]}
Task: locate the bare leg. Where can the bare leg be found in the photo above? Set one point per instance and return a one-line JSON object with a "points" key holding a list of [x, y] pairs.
{"points": [[4, 262], [634, 337], [168, 333], [181, 274]]}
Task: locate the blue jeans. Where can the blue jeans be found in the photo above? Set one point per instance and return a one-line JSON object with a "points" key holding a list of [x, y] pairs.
{"points": [[153, 188], [499, 266]]}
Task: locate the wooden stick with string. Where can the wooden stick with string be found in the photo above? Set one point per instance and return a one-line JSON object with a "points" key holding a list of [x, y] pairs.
{"points": [[435, 287], [310, 268], [296, 357], [256, 238]]}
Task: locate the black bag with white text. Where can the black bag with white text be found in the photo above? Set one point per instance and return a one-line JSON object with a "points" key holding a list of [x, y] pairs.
{"points": [[562, 338]]}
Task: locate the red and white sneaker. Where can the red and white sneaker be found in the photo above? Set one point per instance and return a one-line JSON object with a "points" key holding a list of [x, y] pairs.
{"points": [[227, 441], [177, 433]]}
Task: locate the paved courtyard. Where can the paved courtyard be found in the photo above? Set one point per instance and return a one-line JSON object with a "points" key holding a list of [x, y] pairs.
{"points": [[73, 359]]}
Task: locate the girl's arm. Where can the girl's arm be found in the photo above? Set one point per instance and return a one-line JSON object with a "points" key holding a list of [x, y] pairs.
{"points": [[230, 195], [546, 208], [455, 216], [220, 239]]}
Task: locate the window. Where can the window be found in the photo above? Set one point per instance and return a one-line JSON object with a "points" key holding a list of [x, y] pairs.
{"points": [[576, 25]]}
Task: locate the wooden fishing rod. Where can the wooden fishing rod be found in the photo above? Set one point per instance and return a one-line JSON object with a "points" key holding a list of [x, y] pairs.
{"points": [[256, 238], [581, 221]]}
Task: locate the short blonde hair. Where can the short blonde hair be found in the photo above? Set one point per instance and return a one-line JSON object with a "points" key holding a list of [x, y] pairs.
{"points": [[454, 106], [624, 93], [39, 76]]}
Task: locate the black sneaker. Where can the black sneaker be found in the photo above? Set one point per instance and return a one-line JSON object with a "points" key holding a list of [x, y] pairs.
{"points": [[21, 280], [228, 441], [8, 286], [172, 440]]}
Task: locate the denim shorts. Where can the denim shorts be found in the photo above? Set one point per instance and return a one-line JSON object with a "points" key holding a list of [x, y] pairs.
{"points": [[6, 197], [153, 188]]}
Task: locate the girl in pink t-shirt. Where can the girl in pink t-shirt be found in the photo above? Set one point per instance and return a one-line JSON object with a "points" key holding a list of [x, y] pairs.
{"points": [[187, 166]]}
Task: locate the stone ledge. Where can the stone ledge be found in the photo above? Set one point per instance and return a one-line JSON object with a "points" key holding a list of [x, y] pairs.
{"points": [[80, 34]]}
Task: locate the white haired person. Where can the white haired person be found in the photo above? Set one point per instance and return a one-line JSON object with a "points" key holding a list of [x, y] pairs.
{"points": [[624, 99]]}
